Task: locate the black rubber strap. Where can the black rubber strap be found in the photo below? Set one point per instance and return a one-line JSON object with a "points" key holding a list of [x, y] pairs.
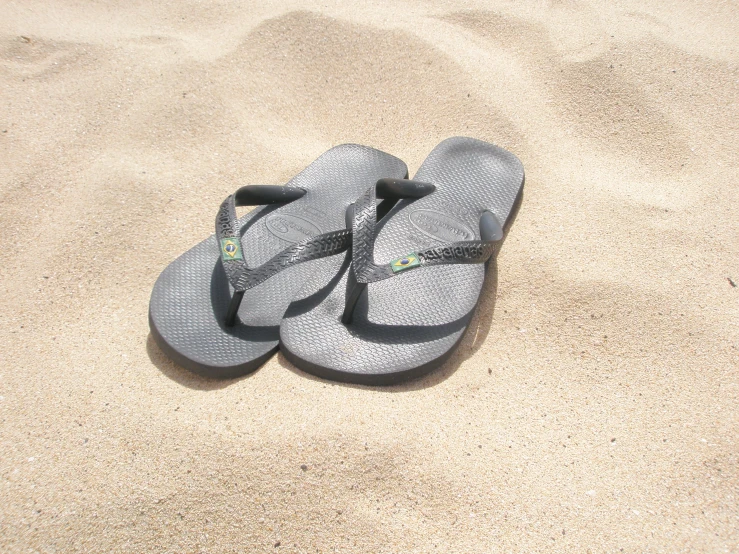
{"points": [[241, 276], [227, 227], [364, 270], [364, 221]]}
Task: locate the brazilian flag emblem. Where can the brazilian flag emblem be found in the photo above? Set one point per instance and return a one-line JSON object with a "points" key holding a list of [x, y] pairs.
{"points": [[231, 249], [406, 262]]}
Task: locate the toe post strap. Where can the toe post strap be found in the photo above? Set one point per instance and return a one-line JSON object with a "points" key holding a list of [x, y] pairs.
{"points": [[228, 234], [364, 270]]}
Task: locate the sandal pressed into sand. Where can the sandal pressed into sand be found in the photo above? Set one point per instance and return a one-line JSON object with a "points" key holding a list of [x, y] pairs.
{"points": [[402, 306], [216, 309]]}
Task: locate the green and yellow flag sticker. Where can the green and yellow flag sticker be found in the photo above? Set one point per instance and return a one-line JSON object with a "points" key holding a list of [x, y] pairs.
{"points": [[231, 249], [406, 262]]}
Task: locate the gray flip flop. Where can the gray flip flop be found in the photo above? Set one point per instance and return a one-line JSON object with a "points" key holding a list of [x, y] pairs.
{"points": [[216, 309], [402, 306]]}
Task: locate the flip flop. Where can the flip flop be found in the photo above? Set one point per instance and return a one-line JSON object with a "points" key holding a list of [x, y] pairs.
{"points": [[216, 309], [402, 306]]}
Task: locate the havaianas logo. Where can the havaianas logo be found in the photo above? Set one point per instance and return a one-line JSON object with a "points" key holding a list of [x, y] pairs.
{"points": [[439, 226], [406, 262], [231, 249], [291, 227]]}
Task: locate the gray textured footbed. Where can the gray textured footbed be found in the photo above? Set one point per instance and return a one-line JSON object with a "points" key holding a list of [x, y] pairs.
{"points": [[408, 325], [190, 298]]}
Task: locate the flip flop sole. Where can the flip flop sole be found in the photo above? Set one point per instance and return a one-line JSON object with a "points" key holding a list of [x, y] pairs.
{"points": [[409, 325], [190, 298]]}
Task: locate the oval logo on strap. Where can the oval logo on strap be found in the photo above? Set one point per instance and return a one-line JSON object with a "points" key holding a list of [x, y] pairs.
{"points": [[440, 226], [291, 227]]}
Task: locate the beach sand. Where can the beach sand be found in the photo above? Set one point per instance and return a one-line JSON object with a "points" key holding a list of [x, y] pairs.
{"points": [[593, 405]]}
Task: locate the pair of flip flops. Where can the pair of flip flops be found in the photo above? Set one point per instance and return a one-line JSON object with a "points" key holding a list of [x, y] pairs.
{"points": [[348, 287]]}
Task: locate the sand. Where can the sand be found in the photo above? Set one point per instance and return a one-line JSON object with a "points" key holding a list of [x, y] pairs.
{"points": [[591, 408]]}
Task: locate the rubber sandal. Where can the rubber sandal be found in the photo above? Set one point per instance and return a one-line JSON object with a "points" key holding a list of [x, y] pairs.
{"points": [[216, 309], [402, 306]]}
